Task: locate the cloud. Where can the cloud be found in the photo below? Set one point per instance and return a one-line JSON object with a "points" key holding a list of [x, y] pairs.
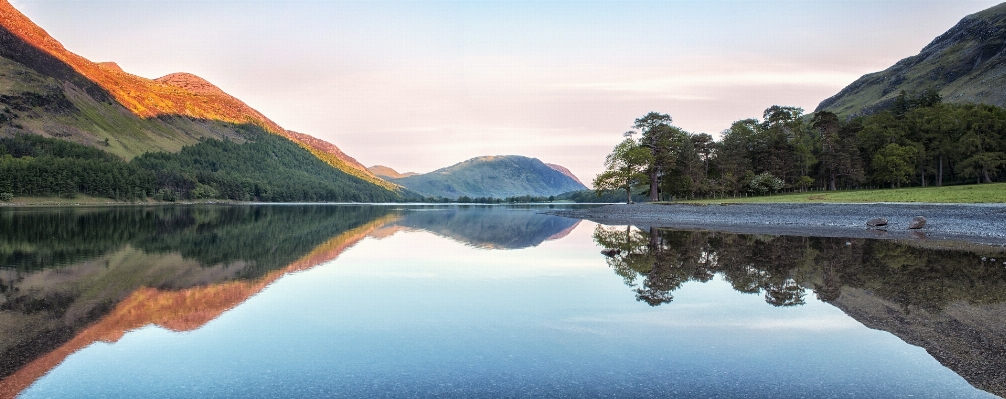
{"points": [[703, 320]]}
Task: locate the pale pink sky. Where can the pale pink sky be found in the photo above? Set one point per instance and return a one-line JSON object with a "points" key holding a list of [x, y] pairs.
{"points": [[422, 85]]}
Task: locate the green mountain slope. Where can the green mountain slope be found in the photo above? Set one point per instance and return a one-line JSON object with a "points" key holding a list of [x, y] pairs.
{"points": [[965, 64], [265, 167], [492, 176]]}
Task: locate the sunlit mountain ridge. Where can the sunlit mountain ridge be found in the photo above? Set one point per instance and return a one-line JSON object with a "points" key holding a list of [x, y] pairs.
{"points": [[54, 92]]}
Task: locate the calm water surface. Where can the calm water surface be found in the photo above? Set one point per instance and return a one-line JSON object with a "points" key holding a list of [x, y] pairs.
{"points": [[398, 301]]}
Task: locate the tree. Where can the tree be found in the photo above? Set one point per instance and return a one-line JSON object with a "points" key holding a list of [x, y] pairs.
{"points": [[982, 142], [705, 147], [664, 142], [735, 152], [839, 154], [624, 168], [894, 164], [782, 141]]}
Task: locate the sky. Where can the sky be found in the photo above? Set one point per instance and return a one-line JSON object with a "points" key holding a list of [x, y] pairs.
{"points": [[421, 85]]}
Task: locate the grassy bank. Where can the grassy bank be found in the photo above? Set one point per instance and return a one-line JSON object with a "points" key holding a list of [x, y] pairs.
{"points": [[975, 193]]}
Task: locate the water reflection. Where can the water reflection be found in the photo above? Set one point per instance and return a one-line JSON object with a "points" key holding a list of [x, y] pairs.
{"points": [[488, 227], [71, 277], [949, 298]]}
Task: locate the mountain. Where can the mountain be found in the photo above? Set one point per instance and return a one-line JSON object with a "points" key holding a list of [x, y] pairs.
{"points": [[50, 91], [965, 64], [563, 170], [388, 173], [493, 176]]}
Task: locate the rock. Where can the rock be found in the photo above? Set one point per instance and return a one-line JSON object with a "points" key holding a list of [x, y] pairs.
{"points": [[917, 223], [877, 222]]}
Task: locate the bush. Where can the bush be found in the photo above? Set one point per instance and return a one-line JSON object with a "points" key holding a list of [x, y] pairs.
{"points": [[6, 197], [203, 191], [165, 195], [766, 182]]}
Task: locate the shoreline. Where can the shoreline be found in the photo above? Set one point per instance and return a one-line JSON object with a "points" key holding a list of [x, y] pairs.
{"points": [[46, 202], [974, 223]]}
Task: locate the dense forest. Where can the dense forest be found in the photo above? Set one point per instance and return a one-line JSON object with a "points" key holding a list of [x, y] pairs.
{"points": [[919, 141], [264, 168]]}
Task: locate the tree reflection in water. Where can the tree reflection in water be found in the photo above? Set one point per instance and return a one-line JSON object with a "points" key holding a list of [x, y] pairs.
{"points": [[927, 275], [949, 298], [666, 259]]}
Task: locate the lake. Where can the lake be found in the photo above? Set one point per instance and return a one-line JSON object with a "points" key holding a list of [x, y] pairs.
{"points": [[481, 301]]}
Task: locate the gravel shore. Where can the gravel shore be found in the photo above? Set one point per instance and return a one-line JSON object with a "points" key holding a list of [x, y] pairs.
{"points": [[978, 223]]}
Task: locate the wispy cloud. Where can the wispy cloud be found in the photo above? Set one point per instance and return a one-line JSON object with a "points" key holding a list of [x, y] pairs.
{"points": [[808, 322]]}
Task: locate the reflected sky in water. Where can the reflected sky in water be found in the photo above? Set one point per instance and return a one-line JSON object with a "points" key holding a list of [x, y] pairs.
{"points": [[414, 313]]}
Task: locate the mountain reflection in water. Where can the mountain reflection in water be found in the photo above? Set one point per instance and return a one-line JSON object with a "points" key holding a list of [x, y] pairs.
{"points": [[949, 298], [72, 277]]}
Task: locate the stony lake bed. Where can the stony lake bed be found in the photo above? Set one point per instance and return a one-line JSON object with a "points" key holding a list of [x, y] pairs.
{"points": [[977, 223]]}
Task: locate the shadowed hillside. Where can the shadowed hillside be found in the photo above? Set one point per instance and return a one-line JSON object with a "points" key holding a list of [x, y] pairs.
{"points": [[965, 64]]}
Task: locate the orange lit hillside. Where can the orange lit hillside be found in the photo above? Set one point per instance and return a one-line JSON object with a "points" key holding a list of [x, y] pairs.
{"points": [[182, 310], [332, 155], [178, 94], [144, 97], [564, 233], [563, 170]]}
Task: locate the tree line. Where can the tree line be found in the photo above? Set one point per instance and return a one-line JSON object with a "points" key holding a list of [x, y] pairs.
{"points": [[919, 141], [266, 167]]}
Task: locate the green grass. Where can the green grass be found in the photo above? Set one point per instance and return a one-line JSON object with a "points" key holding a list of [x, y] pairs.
{"points": [[975, 193]]}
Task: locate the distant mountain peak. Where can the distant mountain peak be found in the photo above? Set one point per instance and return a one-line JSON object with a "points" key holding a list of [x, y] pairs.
{"points": [[387, 172], [497, 176]]}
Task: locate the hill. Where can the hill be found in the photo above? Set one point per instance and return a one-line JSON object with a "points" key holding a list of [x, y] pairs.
{"points": [[563, 170], [965, 64], [493, 176], [49, 91], [388, 173]]}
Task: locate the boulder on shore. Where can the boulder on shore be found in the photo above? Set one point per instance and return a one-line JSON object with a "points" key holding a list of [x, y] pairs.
{"points": [[876, 222], [917, 222]]}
